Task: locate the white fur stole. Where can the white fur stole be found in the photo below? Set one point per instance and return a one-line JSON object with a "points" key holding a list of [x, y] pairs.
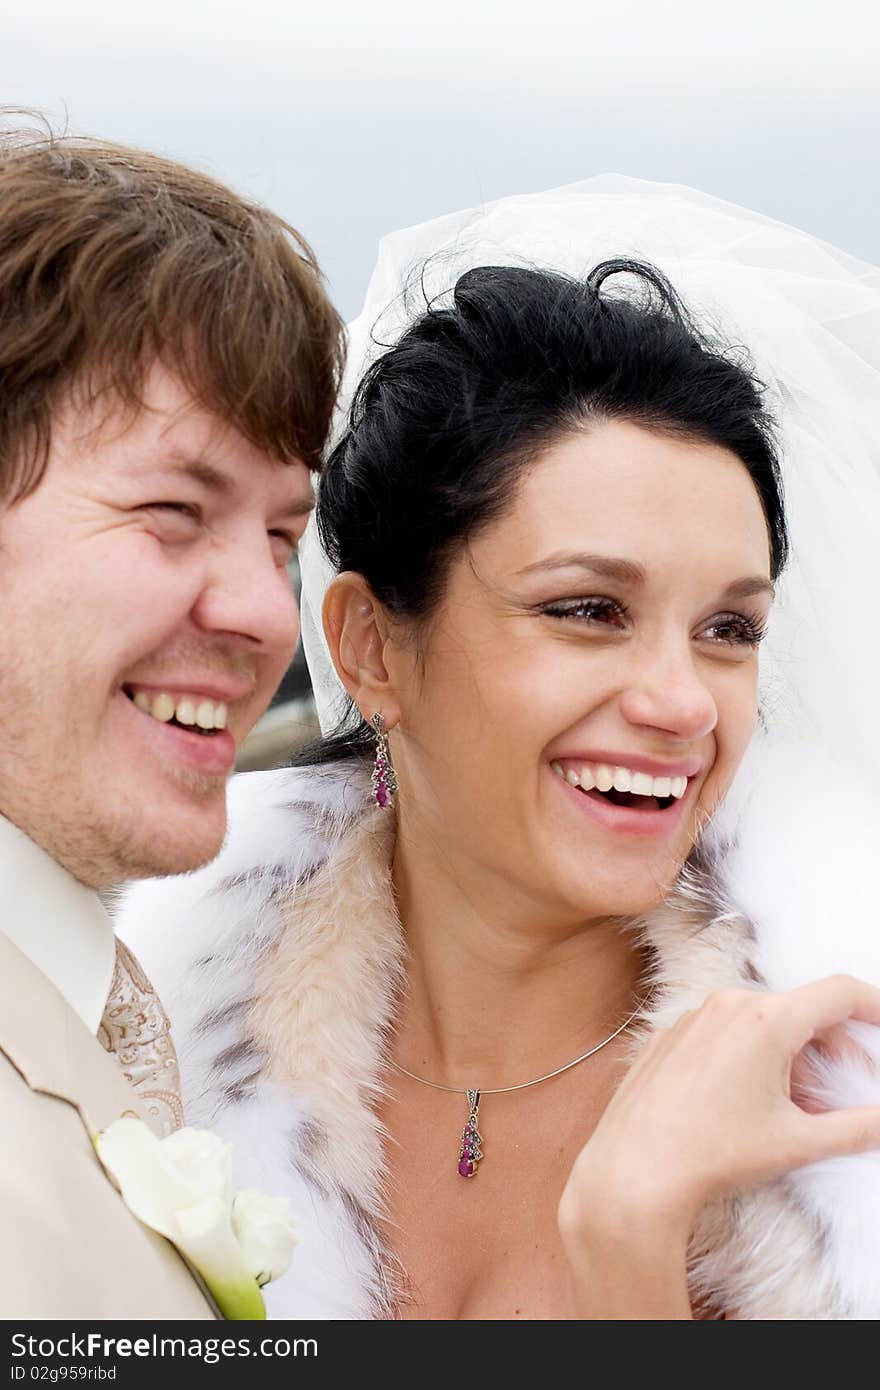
{"points": [[279, 964]]}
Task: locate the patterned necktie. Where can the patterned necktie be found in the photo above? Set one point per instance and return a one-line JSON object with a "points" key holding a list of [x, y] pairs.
{"points": [[136, 1030]]}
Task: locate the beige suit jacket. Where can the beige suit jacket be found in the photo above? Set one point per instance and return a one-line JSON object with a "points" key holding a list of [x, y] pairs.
{"points": [[69, 1246]]}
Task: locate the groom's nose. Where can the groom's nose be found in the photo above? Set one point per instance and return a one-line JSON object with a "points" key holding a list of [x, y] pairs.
{"points": [[247, 594]]}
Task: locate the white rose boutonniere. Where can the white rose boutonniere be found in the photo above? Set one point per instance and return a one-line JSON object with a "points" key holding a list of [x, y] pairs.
{"points": [[182, 1187]]}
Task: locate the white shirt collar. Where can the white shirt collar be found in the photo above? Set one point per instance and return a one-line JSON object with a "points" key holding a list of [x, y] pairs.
{"points": [[60, 925]]}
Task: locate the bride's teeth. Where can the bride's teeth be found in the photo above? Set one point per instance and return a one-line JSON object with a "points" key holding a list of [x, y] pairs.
{"points": [[186, 712], [604, 778], [163, 708], [220, 713]]}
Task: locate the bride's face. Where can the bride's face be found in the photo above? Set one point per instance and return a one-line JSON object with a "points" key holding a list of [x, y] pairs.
{"points": [[609, 620]]}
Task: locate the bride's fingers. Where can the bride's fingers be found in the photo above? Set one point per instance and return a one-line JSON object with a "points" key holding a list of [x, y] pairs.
{"points": [[837, 1132], [813, 1008]]}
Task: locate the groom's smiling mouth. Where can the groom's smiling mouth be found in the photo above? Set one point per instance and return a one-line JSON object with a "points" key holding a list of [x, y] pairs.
{"points": [[191, 711], [187, 724]]}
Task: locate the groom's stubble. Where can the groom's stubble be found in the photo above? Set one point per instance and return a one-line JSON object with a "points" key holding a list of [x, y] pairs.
{"points": [[141, 292]]}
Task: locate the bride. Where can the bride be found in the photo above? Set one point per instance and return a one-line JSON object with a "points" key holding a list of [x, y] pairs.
{"points": [[545, 985]]}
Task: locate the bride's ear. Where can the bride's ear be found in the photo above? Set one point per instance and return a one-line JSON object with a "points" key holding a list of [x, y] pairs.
{"points": [[356, 628]]}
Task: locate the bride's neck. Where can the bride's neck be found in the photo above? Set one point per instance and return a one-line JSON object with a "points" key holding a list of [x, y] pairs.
{"points": [[494, 990]]}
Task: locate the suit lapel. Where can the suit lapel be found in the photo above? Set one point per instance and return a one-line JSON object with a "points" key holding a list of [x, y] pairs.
{"points": [[52, 1048]]}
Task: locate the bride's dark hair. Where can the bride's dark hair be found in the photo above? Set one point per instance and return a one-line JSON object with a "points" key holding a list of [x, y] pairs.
{"points": [[444, 423]]}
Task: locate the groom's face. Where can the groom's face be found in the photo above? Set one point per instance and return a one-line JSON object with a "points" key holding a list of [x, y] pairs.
{"points": [[147, 621]]}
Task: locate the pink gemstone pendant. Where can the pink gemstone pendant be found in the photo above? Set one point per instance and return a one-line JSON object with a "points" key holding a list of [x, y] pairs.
{"points": [[384, 782], [470, 1152]]}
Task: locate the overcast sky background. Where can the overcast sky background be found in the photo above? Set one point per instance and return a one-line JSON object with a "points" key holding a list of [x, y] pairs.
{"points": [[354, 119]]}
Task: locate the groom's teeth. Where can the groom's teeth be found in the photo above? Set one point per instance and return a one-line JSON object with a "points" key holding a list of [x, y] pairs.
{"points": [[604, 778], [587, 779], [205, 715], [572, 777], [189, 710], [163, 708], [622, 779]]}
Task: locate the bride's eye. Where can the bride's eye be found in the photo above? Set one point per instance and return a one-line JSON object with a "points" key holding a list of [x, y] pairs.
{"points": [[737, 630], [604, 612]]}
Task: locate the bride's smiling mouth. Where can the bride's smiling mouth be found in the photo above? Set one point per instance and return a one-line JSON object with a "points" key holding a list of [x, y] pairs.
{"points": [[627, 798]]}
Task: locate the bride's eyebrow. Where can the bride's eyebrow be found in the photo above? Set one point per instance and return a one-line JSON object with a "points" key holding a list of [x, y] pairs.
{"points": [[748, 588], [630, 572], [606, 566]]}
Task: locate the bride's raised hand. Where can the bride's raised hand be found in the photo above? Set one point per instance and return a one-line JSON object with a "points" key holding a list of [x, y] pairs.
{"points": [[705, 1111]]}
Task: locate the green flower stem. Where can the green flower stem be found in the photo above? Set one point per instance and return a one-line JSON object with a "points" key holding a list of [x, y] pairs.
{"points": [[208, 1241]]}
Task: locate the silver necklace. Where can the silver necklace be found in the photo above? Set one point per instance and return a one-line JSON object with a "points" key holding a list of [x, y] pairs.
{"points": [[470, 1151]]}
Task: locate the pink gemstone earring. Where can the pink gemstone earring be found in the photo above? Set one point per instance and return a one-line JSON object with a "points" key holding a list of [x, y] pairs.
{"points": [[383, 781]]}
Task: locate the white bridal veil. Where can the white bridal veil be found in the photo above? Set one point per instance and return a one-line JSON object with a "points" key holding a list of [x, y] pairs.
{"points": [[810, 318]]}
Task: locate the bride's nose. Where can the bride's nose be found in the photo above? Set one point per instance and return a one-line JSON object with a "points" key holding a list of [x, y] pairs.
{"points": [[670, 695]]}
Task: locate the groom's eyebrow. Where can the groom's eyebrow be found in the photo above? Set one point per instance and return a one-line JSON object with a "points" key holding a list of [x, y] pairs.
{"points": [[204, 473], [223, 484]]}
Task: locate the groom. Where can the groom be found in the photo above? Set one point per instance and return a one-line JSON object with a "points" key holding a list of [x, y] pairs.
{"points": [[169, 362]]}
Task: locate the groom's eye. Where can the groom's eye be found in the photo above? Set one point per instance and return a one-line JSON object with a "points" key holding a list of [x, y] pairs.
{"points": [[284, 546], [182, 508], [172, 521]]}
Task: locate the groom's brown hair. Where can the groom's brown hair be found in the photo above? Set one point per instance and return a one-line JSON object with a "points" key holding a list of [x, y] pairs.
{"points": [[112, 259]]}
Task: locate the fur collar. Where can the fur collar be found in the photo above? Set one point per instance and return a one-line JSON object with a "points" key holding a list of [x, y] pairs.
{"points": [[279, 962]]}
